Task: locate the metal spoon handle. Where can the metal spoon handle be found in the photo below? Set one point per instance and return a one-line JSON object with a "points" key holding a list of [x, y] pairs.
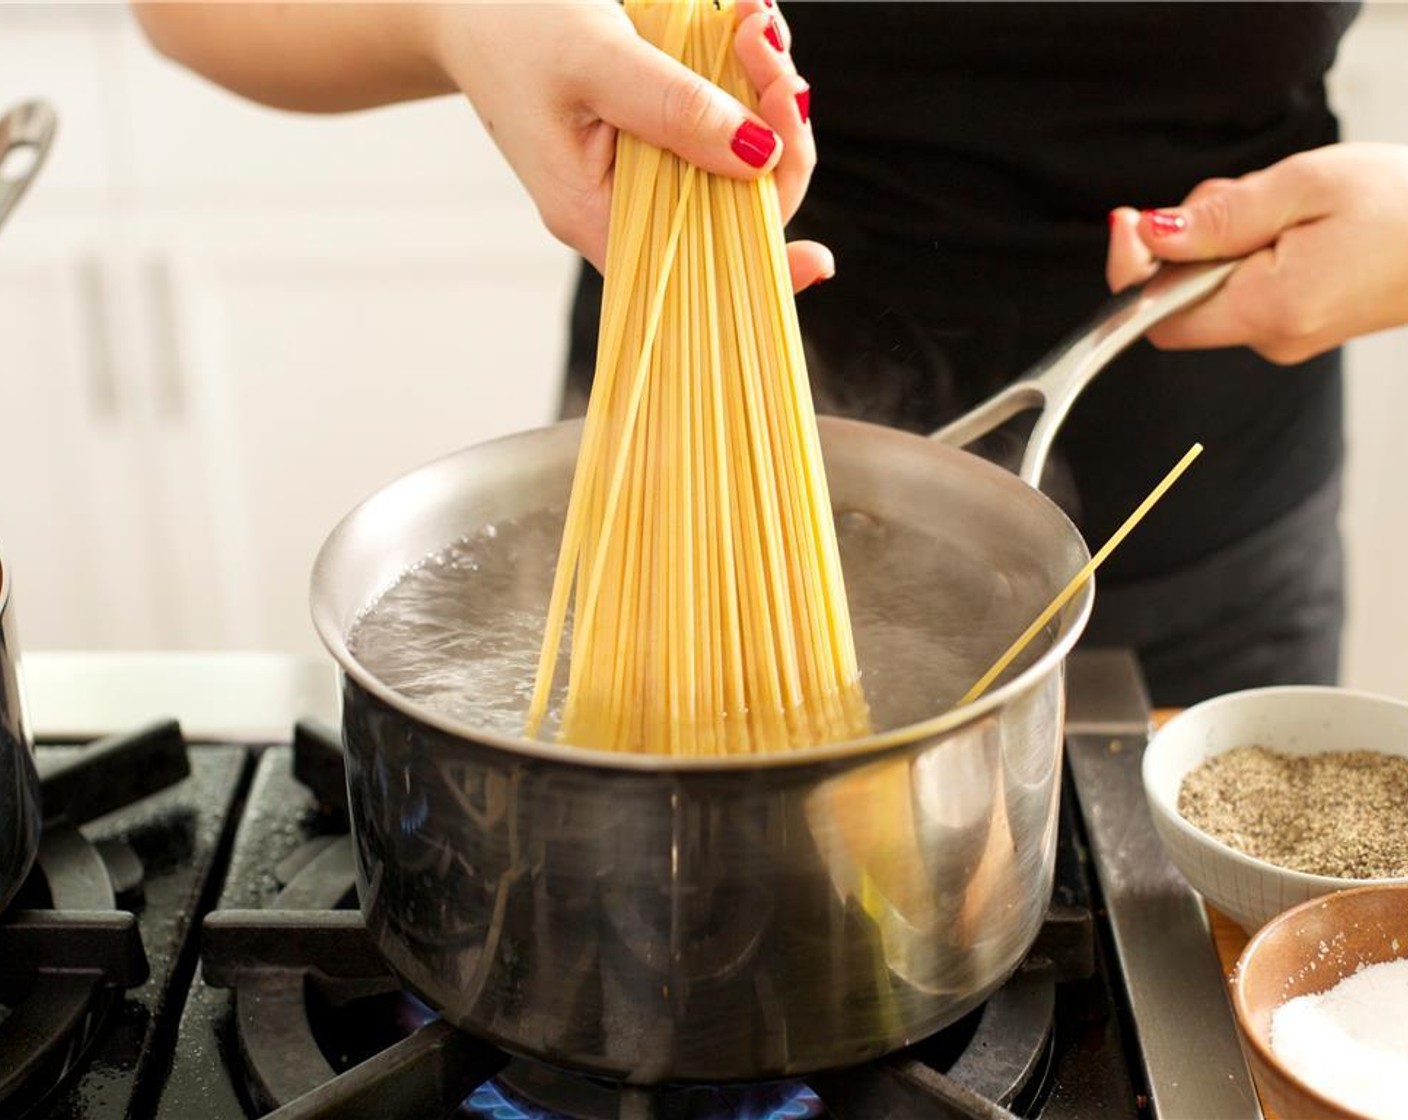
{"points": [[30, 125], [1057, 380]]}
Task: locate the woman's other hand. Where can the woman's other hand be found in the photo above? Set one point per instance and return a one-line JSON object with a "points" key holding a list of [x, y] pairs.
{"points": [[1325, 234], [553, 84]]}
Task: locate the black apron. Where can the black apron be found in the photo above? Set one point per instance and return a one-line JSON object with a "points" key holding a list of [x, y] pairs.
{"points": [[969, 155]]}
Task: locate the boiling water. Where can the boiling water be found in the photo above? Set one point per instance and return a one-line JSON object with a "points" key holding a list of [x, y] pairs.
{"points": [[459, 634]]}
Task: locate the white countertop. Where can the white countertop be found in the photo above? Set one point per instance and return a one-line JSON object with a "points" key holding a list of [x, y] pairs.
{"points": [[247, 697]]}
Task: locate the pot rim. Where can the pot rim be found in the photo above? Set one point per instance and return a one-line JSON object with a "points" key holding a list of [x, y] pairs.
{"points": [[1076, 615]]}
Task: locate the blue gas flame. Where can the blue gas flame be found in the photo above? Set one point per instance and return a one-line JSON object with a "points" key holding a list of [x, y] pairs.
{"points": [[491, 1104]]}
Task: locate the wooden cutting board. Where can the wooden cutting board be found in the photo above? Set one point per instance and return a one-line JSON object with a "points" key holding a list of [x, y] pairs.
{"points": [[1230, 941], [1226, 934]]}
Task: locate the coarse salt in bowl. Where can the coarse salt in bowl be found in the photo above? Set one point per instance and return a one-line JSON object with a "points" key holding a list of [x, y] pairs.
{"points": [[1293, 720], [1337, 1052]]}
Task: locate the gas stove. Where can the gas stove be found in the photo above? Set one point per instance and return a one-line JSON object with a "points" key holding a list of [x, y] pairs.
{"points": [[189, 946], [97, 950]]}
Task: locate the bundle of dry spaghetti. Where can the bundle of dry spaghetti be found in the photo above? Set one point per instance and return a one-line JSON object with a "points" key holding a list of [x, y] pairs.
{"points": [[709, 614]]}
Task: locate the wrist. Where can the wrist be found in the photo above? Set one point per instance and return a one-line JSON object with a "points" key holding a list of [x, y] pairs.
{"points": [[439, 35]]}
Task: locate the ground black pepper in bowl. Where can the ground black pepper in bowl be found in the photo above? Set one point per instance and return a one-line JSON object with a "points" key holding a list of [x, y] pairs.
{"points": [[1339, 814]]}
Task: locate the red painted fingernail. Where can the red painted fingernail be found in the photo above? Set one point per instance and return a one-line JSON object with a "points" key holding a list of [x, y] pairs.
{"points": [[804, 103], [753, 144], [773, 35], [1164, 223], [769, 3]]}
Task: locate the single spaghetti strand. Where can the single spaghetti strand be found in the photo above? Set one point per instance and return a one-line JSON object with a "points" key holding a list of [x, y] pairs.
{"points": [[1079, 580]]}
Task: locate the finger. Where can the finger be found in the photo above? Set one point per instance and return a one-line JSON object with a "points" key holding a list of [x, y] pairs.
{"points": [[785, 105], [1229, 317], [1233, 219], [1128, 260], [759, 47], [782, 35], [809, 262], [1206, 189], [645, 92], [591, 217], [784, 100]]}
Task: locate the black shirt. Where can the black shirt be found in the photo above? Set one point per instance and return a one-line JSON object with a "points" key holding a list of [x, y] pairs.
{"points": [[968, 157]]}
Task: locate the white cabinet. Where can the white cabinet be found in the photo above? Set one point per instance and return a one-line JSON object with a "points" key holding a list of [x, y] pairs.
{"points": [[72, 492], [314, 376], [224, 325]]}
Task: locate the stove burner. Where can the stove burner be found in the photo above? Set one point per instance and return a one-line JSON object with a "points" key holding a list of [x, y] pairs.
{"points": [[65, 950], [281, 964], [528, 1091], [792, 1101]]}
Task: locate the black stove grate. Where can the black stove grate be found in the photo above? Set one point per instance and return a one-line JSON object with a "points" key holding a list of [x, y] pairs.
{"points": [[98, 947], [274, 959], [58, 970], [65, 948]]}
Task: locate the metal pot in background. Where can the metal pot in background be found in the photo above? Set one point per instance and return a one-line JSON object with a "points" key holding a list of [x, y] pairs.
{"points": [[19, 784], [26, 131], [29, 126], [660, 919]]}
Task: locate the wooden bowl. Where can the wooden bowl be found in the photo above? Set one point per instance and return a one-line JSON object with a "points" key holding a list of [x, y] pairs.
{"points": [[1309, 949]]}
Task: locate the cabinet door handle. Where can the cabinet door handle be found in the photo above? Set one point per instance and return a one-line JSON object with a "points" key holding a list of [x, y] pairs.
{"points": [[97, 340], [166, 350]]}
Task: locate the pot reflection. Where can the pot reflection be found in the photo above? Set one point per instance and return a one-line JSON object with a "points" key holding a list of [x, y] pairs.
{"points": [[702, 926], [930, 850]]}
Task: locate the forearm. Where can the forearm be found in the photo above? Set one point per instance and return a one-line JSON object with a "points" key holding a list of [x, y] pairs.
{"points": [[313, 57], [552, 82]]}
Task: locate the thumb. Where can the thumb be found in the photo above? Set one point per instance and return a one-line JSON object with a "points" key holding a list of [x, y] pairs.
{"points": [[647, 93], [809, 262], [1235, 218]]}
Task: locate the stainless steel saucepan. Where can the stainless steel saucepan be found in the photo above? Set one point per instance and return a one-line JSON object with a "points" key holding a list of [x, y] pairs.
{"points": [[30, 126], [656, 919]]}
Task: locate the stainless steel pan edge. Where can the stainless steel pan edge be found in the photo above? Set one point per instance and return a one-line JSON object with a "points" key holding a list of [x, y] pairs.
{"points": [[375, 544]]}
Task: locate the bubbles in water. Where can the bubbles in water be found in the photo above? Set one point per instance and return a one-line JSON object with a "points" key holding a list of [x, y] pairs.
{"points": [[460, 633]]}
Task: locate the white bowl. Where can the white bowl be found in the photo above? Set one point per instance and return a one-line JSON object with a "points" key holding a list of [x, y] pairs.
{"points": [[1292, 720]]}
